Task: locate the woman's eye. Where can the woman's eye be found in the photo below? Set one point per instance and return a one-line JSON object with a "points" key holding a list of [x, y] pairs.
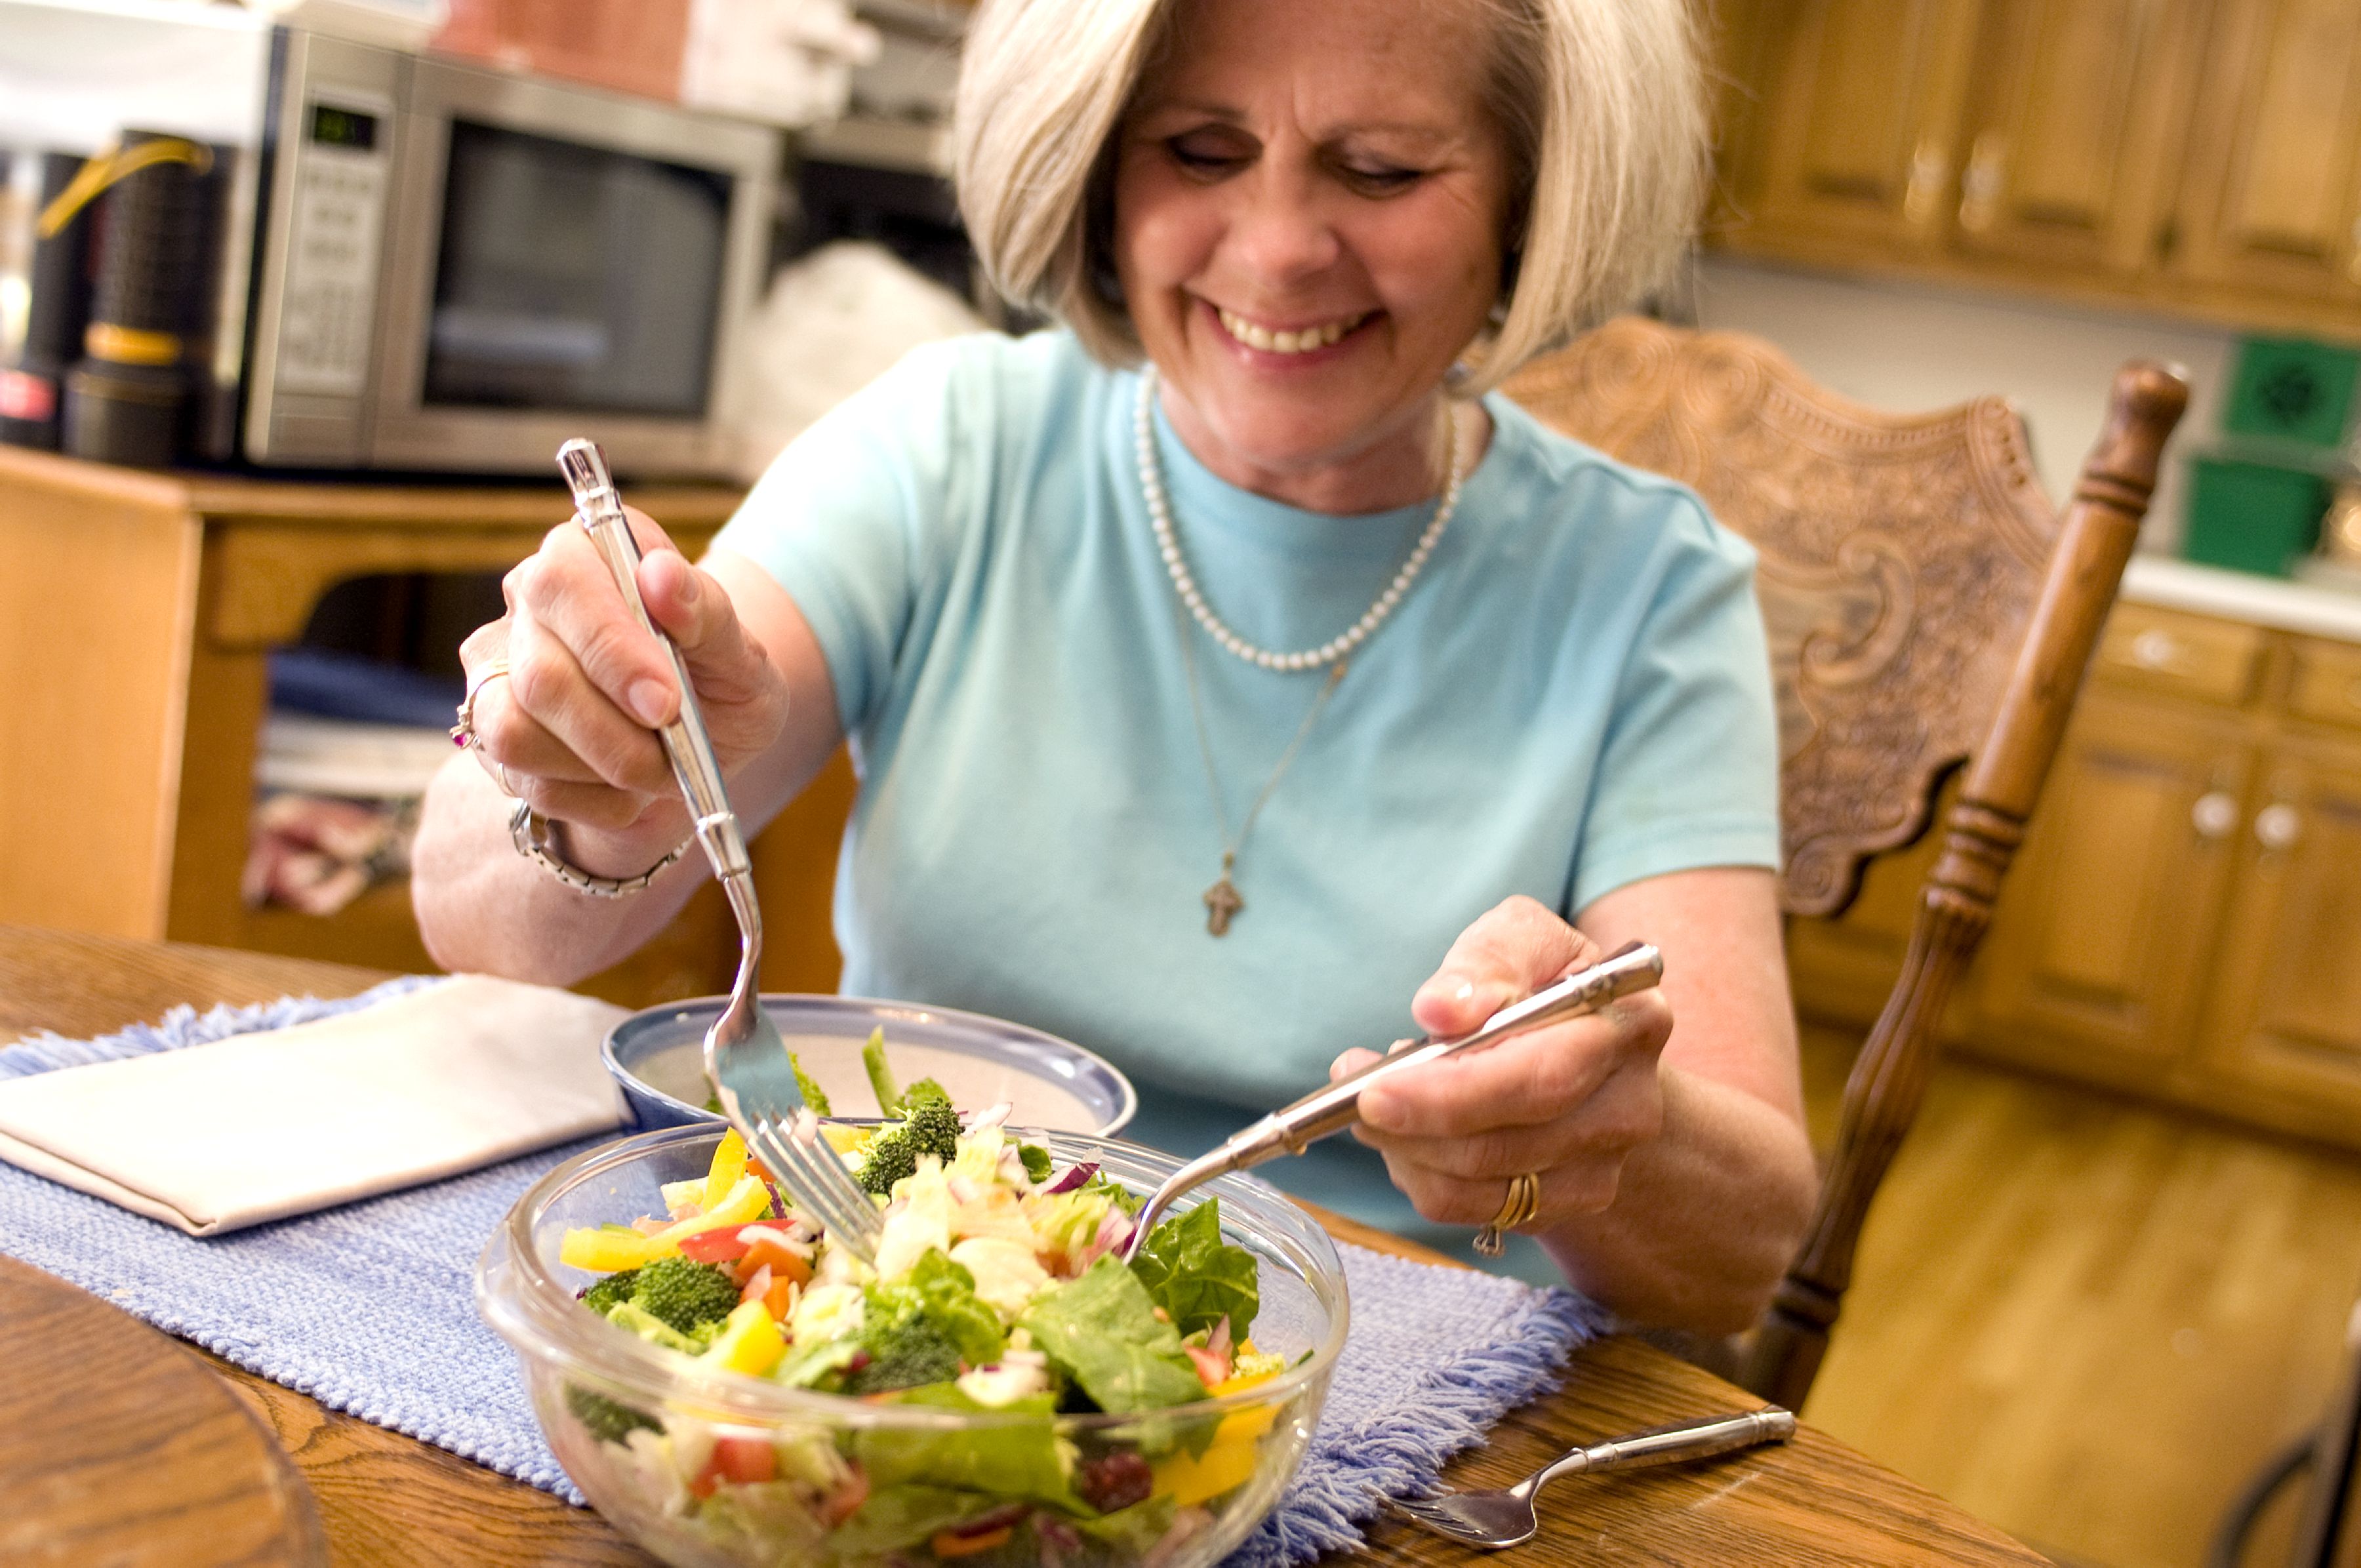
{"points": [[1381, 177], [1201, 158]]}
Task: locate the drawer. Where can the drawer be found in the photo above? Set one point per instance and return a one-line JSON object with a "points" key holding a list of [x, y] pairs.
{"points": [[2327, 683], [2192, 655]]}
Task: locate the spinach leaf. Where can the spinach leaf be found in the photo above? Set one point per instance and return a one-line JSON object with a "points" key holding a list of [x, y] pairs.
{"points": [[1195, 1276], [1102, 1330], [1038, 1164]]}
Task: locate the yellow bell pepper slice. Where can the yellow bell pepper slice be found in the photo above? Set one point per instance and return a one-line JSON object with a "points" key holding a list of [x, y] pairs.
{"points": [[607, 1250], [749, 1341], [1223, 1466], [603, 1251], [729, 1164], [749, 1200]]}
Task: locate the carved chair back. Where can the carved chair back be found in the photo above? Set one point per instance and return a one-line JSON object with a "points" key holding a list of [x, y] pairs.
{"points": [[1927, 607]]}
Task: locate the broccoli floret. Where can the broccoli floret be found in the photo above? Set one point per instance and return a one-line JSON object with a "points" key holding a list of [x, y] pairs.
{"points": [[685, 1293], [931, 1127], [904, 1355], [603, 1417], [602, 1297], [926, 1089]]}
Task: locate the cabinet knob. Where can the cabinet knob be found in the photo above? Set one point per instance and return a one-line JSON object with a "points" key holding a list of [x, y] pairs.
{"points": [[2215, 813], [2156, 648], [2278, 826]]}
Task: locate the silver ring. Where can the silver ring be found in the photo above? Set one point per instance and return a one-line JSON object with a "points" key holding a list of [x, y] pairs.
{"points": [[463, 734]]}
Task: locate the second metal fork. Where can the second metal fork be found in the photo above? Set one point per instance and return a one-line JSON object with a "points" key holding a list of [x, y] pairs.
{"points": [[1505, 1517]]}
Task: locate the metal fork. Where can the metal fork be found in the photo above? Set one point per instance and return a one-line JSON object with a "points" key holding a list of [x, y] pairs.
{"points": [[746, 1062], [1505, 1517]]}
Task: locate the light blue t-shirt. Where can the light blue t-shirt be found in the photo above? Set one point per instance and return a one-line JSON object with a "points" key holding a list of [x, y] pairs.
{"points": [[1574, 696]]}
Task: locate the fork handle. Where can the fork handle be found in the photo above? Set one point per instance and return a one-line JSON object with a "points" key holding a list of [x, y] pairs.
{"points": [[686, 744], [1682, 1439]]}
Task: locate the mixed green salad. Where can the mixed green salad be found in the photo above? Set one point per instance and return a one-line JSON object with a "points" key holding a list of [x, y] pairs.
{"points": [[999, 1286]]}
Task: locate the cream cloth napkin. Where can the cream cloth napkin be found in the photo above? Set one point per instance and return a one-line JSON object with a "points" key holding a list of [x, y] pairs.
{"points": [[259, 1126]]}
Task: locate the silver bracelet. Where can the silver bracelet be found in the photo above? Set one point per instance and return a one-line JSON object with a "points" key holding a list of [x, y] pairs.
{"points": [[529, 831]]}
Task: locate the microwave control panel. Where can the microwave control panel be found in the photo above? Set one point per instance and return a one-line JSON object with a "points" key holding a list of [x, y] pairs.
{"points": [[336, 224]]}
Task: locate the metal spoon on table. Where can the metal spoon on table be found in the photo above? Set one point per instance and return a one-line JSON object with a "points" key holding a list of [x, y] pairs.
{"points": [[746, 1062], [1336, 1106]]}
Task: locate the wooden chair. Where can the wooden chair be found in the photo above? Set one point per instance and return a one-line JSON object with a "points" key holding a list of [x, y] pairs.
{"points": [[1928, 609]]}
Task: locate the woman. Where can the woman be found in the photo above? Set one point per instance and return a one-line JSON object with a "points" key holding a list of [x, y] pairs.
{"points": [[1200, 707]]}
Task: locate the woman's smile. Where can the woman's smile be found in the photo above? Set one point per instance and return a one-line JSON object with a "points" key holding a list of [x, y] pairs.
{"points": [[1289, 342]]}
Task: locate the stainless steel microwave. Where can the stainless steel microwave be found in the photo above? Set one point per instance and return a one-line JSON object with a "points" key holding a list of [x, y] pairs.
{"points": [[423, 264]]}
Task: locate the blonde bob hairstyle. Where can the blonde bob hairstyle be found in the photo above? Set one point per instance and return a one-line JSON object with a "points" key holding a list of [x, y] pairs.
{"points": [[1602, 101]]}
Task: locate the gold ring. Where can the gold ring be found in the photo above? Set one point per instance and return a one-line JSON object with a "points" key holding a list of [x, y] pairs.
{"points": [[463, 734], [1523, 1202], [507, 788]]}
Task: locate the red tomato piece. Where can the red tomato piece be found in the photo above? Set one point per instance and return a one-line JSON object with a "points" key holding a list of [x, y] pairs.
{"points": [[720, 1245]]}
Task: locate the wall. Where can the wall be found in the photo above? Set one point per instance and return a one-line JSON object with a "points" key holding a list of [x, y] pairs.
{"points": [[1911, 348]]}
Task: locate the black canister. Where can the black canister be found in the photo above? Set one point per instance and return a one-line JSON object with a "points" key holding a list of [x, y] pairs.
{"points": [[125, 397], [56, 277]]}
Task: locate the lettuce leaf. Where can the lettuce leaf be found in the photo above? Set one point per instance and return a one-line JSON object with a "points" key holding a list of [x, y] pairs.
{"points": [[814, 1095], [1103, 1331], [896, 1516], [1195, 1276], [881, 1077], [1008, 1460]]}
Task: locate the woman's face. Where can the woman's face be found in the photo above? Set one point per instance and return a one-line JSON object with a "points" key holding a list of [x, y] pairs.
{"points": [[1309, 204]]}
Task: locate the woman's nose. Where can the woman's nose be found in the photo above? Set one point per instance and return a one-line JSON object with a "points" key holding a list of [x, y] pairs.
{"points": [[1277, 231]]}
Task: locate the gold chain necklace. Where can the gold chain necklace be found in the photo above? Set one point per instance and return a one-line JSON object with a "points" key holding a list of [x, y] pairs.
{"points": [[1223, 900]]}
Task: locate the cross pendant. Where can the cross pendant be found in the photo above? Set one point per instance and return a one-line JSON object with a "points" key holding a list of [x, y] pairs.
{"points": [[1222, 901]]}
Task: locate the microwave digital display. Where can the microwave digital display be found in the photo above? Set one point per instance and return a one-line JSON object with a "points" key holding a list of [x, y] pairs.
{"points": [[332, 127], [574, 278]]}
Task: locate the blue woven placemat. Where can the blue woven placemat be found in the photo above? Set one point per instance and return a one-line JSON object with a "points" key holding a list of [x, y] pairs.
{"points": [[369, 1309]]}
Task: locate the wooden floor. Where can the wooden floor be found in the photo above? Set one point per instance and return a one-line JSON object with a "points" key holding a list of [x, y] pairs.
{"points": [[2086, 1320]]}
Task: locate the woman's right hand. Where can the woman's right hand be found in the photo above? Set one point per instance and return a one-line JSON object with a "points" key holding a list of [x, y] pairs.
{"points": [[570, 730]]}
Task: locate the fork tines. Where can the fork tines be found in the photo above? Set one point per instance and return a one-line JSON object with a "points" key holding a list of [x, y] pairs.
{"points": [[817, 1178]]}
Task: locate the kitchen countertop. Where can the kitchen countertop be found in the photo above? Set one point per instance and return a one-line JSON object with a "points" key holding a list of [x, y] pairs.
{"points": [[2311, 608]]}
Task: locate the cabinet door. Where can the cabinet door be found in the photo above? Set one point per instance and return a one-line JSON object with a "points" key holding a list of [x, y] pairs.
{"points": [[2273, 190], [2075, 127], [2286, 1015], [1862, 111], [2103, 934]]}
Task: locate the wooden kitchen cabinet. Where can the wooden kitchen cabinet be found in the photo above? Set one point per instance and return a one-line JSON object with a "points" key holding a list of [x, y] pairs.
{"points": [[2184, 920], [2073, 130], [1859, 118], [2284, 1025], [2195, 157], [2273, 189], [2103, 934], [137, 618]]}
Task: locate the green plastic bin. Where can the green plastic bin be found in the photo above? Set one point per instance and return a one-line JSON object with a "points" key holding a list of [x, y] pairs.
{"points": [[2251, 517], [2290, 390]]}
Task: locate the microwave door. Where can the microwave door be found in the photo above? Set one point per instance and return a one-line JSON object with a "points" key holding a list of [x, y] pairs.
{"points": [[567, 262]]}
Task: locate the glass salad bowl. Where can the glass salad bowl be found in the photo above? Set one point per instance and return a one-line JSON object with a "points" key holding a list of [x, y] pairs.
{"points": [[705, 1466]]}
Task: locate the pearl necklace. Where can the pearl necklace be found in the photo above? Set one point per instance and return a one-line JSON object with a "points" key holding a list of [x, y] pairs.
{"points": [[1160, 516]]}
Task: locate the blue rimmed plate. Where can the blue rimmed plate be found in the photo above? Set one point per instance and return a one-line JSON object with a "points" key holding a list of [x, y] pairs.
{"points": [[657, 1058]]}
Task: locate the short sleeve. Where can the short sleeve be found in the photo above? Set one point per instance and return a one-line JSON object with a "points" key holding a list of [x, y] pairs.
{"points": [[1688, 775], [861, 515]]}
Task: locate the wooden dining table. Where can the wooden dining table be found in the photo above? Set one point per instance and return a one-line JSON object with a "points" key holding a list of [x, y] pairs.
{"points": [[377, 1497]]}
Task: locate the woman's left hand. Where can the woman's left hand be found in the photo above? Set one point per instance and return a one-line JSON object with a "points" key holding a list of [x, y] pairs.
{"points": [[1567, 1103]]}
